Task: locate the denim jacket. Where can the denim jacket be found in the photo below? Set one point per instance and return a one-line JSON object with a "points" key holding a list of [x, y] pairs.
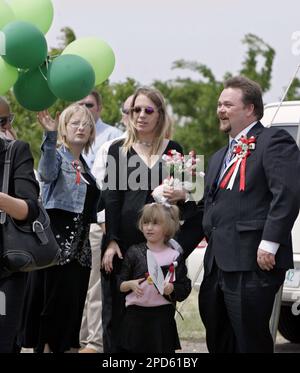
{"points": [[57, 176]]}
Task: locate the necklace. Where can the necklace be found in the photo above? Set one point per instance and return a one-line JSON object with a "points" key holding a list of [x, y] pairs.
{"points": [[145, 143]]}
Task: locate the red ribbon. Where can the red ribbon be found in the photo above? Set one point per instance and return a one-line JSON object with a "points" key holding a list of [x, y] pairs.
{"points": [[226, 179], [238, 150], [172, 271], [243, 174], [76, 166]]}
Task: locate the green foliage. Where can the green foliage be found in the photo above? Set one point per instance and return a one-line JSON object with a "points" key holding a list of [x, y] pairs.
{"points": [[66, 38], [193, 103], [258, 53], [113, 95], [294, 91]]}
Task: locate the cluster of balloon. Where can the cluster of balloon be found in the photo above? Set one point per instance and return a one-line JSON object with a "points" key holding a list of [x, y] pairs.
{"points": [[36, 79]]}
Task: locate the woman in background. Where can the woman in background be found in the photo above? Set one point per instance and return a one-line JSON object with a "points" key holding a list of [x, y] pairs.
{"points": [[21, 204]]}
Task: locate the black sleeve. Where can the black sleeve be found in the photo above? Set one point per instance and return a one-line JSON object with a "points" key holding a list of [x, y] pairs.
{"points": [[281, 161], [191, 232], [182, 284], [174, 145], [126, 273], [128, 263], [23, 183], [112, 196]]}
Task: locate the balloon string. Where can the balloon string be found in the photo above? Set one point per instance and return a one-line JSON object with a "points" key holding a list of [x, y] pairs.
{"points": [[43, 74]]}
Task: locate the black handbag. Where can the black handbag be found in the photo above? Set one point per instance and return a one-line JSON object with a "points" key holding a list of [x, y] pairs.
{"points": [[26, 247]]}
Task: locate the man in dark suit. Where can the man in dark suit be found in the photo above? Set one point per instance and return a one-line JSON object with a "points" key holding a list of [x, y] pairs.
{"points": [[251, 201]]}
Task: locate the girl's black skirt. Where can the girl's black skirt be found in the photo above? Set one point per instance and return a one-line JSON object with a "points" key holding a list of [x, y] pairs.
{"points": [[149, 330]]}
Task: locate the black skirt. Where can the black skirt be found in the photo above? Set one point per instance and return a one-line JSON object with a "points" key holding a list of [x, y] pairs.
{"points": [[12, 294], [54, 306], [149, 330]]}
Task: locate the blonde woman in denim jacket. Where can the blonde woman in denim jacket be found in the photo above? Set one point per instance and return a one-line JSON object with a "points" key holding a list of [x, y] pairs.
{"points": [[56, 295]]}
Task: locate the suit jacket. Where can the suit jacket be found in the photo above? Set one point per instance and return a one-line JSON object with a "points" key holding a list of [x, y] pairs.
{"points": [[235, 222]]}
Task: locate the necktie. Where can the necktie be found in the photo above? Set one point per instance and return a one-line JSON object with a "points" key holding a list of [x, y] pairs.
{"points": [[227, 159], [229, 154]]}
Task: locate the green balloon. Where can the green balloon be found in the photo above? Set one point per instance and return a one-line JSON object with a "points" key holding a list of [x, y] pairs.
{"points": [[71, 77], [26, 46], [32, 91], [97, 52], [9, 76], [38, 12], [6, 14]]}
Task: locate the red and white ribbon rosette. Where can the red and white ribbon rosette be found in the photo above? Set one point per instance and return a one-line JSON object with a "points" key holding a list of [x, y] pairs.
{"points": [[242, 151], [170, 276]]}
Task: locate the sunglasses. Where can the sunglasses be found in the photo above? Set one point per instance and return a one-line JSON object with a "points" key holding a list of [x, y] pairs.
{"points": [[88, 105], [5, 120], [148, 110]]}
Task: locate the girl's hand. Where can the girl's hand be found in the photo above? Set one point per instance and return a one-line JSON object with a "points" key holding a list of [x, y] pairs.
{"points": [[46, 121], [110, 252], [169, 288], [136, 287]]}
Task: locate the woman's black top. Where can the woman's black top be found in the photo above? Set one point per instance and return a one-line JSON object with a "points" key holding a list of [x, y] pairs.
{"points": [[22, 182], [127, 193]]}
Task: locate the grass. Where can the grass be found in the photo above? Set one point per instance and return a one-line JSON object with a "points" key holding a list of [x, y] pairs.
{"points": [[191, 328]]}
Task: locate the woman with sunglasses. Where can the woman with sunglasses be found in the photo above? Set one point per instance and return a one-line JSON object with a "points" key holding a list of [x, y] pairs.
{"points": [[134, 169], [21, 204], [56, 295]]}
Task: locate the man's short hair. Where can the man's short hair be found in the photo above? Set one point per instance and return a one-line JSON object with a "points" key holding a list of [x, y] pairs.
{"points": [[252, 93], [97, 97]]}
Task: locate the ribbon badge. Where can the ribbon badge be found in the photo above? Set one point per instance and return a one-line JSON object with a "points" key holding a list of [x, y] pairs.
{"points": [[242, 151], [77, 168]]}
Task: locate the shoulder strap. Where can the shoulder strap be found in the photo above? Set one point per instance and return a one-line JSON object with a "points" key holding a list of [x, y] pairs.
{"points": [[6, 172]]}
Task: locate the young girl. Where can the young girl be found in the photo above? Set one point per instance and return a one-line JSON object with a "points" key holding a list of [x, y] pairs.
{"points": [[149, 324], [56, 295]]}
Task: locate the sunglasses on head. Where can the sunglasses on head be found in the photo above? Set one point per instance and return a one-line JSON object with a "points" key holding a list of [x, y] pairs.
{"points": [[148, 110], [5, 120], [88, 105]]}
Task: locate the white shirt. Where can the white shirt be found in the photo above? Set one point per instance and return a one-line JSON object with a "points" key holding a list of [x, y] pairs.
{"points": [[104, 132], [99, 168]]}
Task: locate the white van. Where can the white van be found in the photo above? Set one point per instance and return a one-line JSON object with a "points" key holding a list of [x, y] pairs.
{"points": [[288, 118]]}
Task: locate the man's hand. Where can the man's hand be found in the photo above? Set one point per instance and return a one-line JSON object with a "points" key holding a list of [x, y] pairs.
{"points": [[110, 252], [265, 260]]}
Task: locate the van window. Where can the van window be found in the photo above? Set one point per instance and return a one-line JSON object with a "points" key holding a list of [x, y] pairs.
{"points": [[291, 129]]}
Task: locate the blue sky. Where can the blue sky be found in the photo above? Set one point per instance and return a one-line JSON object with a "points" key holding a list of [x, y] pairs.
{"points": [[147, 36]]}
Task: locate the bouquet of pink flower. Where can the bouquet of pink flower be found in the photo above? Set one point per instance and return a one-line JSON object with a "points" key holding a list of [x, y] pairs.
{"points": [[181, 173]]}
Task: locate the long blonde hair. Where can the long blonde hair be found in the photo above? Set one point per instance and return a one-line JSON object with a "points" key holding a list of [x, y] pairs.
{"points": [[163, 126], [87, 118]]}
